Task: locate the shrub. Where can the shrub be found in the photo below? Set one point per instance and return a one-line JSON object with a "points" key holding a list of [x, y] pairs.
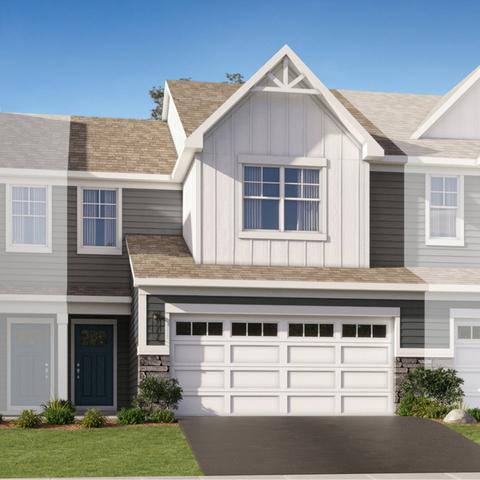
{"points": [[1, 418], [94, 418], [131, 416], [28, 419], [441, 385], [154, 394], [59, 412], [475, 413], [405, 406], [162, 416], [422, 407]]}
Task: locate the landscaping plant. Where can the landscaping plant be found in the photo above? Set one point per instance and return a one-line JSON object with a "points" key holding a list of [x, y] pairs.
{"points": [[131, 416], [28, 419], [94, 418], [59, 412], [423, 407], [158, 394], [162, 416], [475, 413]]}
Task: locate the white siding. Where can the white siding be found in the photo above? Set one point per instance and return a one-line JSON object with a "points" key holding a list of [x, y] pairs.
{"points": [[190, 213], [462, 120], [175, 125], [287, 125]]}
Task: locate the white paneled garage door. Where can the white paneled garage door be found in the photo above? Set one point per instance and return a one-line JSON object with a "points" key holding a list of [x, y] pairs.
{"points": [[293, 366], [467, 359]]}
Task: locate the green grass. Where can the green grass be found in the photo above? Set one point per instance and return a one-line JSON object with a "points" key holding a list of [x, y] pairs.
{"points": [[470, 431], [107, 452]]}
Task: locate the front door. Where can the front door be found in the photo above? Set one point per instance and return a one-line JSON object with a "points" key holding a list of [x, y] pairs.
{"points": [[93, 367]]}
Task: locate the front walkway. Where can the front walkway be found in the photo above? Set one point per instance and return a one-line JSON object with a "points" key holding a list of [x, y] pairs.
{"points": [[328, 445]]}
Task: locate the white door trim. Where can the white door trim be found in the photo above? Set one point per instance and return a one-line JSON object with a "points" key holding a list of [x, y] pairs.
{"points": [[93, 321], [21, 320]]}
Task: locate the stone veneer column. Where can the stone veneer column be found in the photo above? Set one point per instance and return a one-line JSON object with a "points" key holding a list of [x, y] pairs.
{"points": [[404, 365], [157, 366]]}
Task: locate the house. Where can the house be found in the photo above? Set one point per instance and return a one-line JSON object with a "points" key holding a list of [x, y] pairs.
{"points": [[279, 247]]}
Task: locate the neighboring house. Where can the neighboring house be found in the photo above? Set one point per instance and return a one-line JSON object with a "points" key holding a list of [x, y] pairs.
{"points": [[279, 247]]}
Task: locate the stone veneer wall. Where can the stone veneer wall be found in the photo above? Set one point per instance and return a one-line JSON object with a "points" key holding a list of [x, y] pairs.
{"points": [[404, 365], [157, 366]]}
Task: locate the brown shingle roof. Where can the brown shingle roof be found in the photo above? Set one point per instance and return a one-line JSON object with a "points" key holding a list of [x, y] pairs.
{"points": [[120, 145], [167, 256], [196, 101], [448, 275]]}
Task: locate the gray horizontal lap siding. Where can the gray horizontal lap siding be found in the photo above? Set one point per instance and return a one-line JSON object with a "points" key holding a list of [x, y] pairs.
{"points": [[36, 272], [144, 212]]}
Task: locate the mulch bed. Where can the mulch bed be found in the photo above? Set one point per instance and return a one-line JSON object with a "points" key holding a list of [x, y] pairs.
{"points": [[5, 425]]}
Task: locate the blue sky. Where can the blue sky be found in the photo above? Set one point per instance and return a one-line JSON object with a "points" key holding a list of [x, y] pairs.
{"points": [[101, 57]]}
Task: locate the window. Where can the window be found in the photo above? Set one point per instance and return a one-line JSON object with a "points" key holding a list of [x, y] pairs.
{"points": [[284, 199], [254, 329], [28, 225], [99, 221], [444, 210], [310, 330], [199, 328], [364, 330], [467, 332]]}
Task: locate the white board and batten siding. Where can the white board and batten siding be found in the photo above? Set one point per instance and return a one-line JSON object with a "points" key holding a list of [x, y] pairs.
{"points": [[283, 375], [283, 125]]}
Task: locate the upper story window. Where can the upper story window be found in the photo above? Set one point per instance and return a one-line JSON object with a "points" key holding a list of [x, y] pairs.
{"points": [[444, 215], [28, 225], [99, 221], [284, 199]]}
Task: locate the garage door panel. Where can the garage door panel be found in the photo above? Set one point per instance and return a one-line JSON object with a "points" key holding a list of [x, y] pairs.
{"points": [[467, 356], [321, 355], [311, 379], [354, 355], [365, 380], [255, 379], [471, 381], [202, 405], [198, 354], [255, 405], [311, 405], [365, 405], [192, 379], [255, 354]]}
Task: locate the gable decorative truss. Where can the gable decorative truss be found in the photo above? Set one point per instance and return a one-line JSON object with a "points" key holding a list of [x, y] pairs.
{"points": [[285, 72], [446, 103]]}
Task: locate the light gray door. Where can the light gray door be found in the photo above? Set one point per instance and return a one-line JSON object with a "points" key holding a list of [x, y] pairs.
{"points": [[30, 364]]}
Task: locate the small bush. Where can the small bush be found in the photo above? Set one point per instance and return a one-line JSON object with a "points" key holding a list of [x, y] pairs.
{"points": [[475, 413], [94, 418], [28, 419], [131, 416], [154, 394], [1, 418], [411, 406], [59, 412], [441, 385], [405, 406], [162, 416]]}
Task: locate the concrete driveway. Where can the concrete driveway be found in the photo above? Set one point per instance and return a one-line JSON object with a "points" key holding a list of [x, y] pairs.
{"points": [[327, 445]]}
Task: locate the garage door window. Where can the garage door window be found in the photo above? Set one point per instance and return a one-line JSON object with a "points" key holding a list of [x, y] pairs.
{"points": [[363, 330], [467, 332], [200, 328], [254, 329], [310, 330]]}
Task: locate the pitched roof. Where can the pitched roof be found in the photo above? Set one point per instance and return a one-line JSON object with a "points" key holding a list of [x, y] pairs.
{"points": [[196, 101], [120, 145], [448, 275], [167, 256]]}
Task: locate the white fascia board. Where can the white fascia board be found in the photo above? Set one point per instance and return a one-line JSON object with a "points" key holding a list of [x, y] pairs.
{"points": [[447, 102], [194, 143], [453, 288], [278, 284], [80, 178]]}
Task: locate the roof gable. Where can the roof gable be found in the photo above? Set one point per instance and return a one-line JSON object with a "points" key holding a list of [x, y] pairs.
{"points": [[435, 124]]}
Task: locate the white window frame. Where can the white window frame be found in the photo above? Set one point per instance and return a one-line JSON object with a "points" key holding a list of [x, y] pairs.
{"points": [[94, 250], [27, 248], [283, 162], [459, 240]]}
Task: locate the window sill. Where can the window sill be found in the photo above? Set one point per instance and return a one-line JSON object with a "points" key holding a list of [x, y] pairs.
{"points": [[275, 235], [81, 250], [444, 242], [28, 249]]}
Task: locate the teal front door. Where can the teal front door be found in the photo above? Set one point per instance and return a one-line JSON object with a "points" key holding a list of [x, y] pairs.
{"points": [[93, 367]]}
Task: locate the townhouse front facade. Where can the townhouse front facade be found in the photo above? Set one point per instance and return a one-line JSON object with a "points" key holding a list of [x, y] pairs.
{"points": [[279, 247]]}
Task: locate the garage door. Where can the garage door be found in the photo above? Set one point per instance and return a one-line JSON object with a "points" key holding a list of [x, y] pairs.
{"points": [[467, 359], [293, 366]]}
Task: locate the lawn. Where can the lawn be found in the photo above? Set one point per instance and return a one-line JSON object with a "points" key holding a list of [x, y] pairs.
{"points": [[121, 451], [470, 431]]}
